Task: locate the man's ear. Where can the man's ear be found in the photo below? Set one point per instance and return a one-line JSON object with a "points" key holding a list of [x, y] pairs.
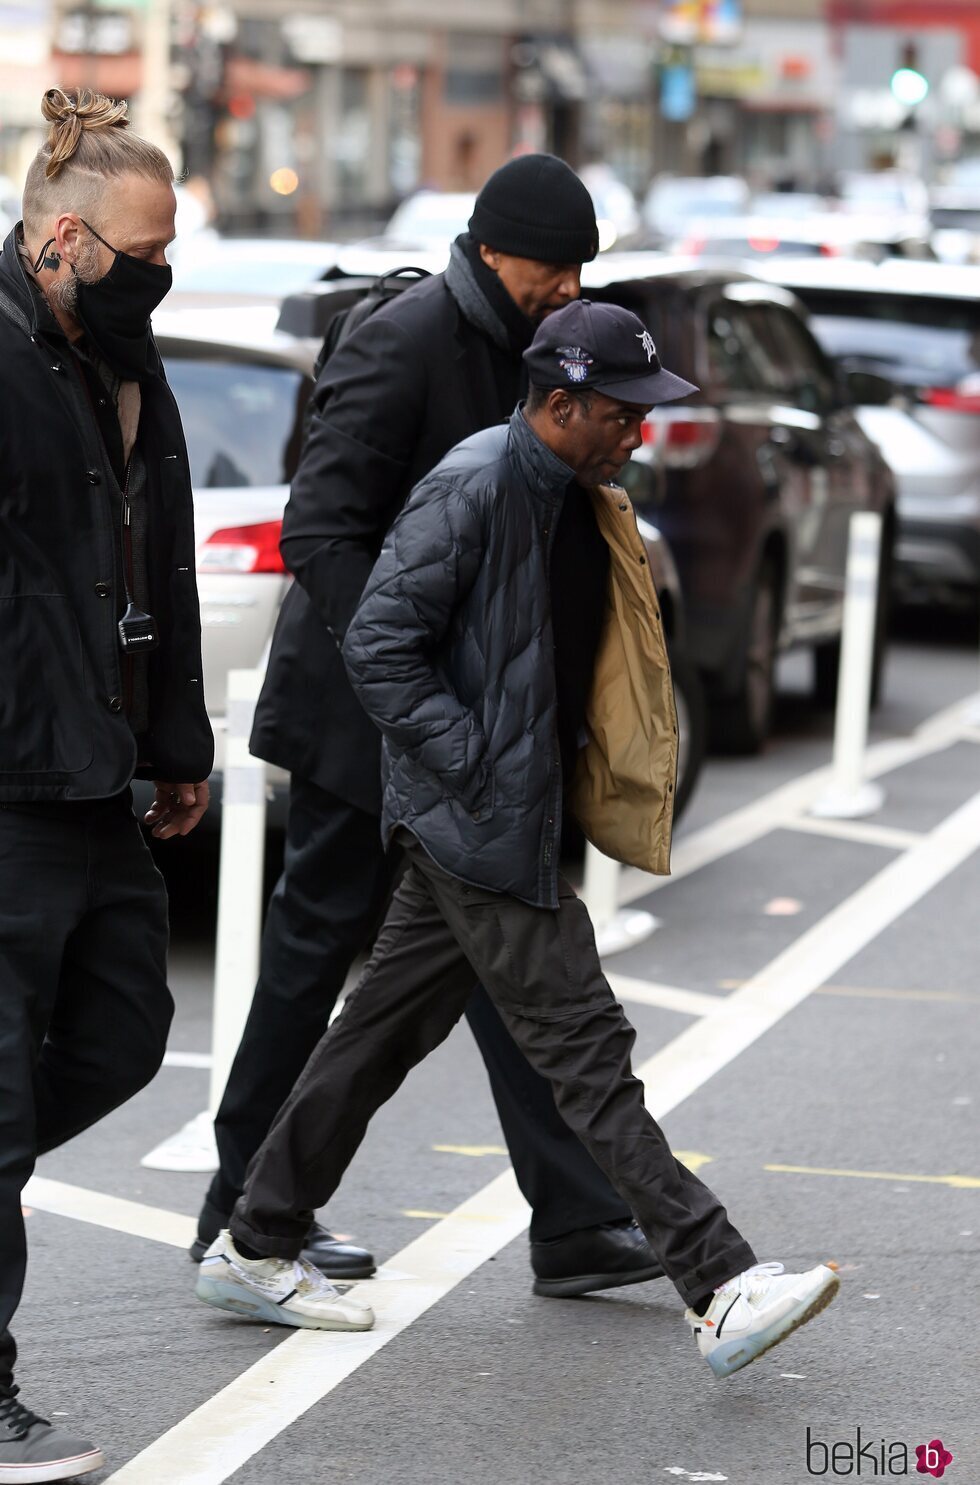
{"points": [[490, 257], [560, 406], [66, 230]]}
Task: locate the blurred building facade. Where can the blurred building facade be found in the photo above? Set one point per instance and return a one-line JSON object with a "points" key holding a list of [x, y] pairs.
{"points": [[319, 115]]}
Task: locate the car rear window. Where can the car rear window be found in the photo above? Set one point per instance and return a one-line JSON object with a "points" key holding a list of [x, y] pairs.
{"points": [[242, 422], [912, 341]]}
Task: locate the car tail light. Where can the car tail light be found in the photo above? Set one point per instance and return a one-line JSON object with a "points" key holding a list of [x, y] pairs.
{"points": [[764, 244], [683, 437], [952, 399], [831, 250], [692, 247], [241, 549]]}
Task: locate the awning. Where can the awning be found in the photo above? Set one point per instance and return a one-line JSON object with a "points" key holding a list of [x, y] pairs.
{"points": [[264, 80]]}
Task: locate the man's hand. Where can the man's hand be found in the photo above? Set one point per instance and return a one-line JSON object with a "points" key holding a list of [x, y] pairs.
{"points": [[176, 809]]}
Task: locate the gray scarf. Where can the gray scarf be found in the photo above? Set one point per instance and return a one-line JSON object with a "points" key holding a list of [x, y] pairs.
{"points": [[462, 284]]}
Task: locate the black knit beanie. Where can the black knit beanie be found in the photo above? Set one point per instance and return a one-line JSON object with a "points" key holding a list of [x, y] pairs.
{"points": [[536, 207]]}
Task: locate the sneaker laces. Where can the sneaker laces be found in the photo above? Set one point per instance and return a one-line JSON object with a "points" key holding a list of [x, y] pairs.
{"points": [[15, 1417], [307, 1276], [743, 1282]]}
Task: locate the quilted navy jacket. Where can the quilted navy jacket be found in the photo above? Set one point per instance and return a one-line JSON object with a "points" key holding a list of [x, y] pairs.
{"points": [[450, 653]]}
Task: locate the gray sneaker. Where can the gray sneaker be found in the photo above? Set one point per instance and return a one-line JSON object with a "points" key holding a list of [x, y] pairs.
{"points": [[31, 1451]]}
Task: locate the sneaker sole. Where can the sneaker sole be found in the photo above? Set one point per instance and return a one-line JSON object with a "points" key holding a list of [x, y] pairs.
{"points": [[222, 1295], [732, 1356], [199, 1248], [38, 1473], [589, 1283]]}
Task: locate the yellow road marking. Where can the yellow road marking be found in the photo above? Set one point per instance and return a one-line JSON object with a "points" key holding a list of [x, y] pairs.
{"points": [[692, 1159], [960, 1183], [456, 1216], [474, 1150], [873, 993]]}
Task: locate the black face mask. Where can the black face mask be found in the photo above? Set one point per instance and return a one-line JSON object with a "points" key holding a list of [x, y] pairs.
{"points": [[115, 311]]}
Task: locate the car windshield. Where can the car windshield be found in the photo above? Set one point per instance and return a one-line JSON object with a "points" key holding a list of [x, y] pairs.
{"points": [[242, 421], [912, 341]]}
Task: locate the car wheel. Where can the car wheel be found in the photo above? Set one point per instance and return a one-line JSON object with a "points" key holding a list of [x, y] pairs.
{"points": [[692, 728], [826, 657], [741, 721]]}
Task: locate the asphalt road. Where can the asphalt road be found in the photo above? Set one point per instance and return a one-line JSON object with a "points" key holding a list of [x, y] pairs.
{"points": [[831, 1127]]}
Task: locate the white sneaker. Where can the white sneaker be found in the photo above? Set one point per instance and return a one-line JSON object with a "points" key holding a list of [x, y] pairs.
{"points": [[756, 1310], [287, 1291]]}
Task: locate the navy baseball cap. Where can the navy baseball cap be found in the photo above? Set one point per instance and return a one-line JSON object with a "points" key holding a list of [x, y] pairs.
{"points": [[605, 347]]}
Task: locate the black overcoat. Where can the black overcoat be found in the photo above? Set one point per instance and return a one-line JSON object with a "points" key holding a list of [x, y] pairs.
{"points": [[63, 727], [411, 382]]}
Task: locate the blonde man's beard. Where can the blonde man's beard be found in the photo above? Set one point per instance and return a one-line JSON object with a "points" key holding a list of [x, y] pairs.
{"points": [[64, 290]]}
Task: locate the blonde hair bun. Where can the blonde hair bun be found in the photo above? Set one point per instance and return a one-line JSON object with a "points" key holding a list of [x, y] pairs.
{"points": [[71, 112]]}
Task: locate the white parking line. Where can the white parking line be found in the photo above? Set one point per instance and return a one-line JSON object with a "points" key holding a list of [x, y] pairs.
{"points": [[665, 997], [114, 1212], [237, 1422]]}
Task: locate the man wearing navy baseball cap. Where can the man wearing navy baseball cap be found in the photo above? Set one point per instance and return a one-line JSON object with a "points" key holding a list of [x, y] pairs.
{"points": [[509, 647]]}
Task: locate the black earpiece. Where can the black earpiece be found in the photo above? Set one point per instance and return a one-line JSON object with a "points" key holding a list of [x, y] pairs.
{"points": [[47, 260]]}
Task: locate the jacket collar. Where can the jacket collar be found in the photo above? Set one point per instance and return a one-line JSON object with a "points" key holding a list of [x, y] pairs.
{"points": [[18, 289], [540, 468]]}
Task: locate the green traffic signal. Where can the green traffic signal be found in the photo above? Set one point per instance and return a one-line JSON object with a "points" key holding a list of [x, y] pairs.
{"points": [[908, 86]]}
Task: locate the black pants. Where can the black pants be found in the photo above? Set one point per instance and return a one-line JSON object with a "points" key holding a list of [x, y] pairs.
{"points": [[330, 897], [542, 971], [84, 1004]]}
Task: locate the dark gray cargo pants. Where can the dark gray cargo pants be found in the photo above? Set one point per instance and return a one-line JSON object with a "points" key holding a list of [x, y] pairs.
{"points": [[542, 972]]}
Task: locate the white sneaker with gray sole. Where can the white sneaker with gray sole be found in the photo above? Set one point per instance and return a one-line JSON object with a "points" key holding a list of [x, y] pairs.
{"points": [[753, 1312], [283, 1291]]}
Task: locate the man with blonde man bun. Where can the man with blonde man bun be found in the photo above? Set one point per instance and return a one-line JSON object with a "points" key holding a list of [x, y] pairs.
{"points": [[100, 659]]}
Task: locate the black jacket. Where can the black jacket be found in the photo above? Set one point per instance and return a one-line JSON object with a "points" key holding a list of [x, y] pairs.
{"points": [[415, 379], [63, 730], [451, 655]]}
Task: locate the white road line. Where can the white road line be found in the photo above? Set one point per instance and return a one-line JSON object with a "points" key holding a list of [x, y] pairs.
{"points": [[863, 831], [109, 1211], [665, 997], [744, 826], [187, 1059], [237, 1422], [226, 1431]]}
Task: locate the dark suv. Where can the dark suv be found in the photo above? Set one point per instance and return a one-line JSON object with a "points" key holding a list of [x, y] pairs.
{"points": [[759, 475]]}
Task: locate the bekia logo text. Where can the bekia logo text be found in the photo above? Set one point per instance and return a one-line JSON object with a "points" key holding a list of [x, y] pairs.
{"points": [[874, 1458]]}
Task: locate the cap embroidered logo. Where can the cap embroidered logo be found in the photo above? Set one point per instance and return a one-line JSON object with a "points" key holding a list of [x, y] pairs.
{"points": [[574, 362]]}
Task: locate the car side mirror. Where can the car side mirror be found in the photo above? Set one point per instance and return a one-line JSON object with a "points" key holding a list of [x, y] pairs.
{"points": [[866, 388]]}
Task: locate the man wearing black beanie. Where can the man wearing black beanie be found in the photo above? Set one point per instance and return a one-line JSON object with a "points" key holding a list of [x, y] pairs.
{"points": [[440, 362]]}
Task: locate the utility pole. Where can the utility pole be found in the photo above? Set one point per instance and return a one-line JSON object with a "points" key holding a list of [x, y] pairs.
{"points": [[153, 109]]}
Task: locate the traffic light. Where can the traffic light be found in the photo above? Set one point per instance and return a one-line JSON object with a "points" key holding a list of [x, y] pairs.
{"points": [[909, 86]]}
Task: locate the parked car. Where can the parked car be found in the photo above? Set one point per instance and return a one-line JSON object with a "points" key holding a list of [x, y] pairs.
{"points": [[673, 202], [762, 471], [821, 234], [242, 389], [223, 270], [908, 336]]}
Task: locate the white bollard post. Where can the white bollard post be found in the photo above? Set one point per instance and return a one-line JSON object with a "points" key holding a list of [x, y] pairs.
{"points": [[240, 873], [850, 795], [615, 929], [973, 711]]}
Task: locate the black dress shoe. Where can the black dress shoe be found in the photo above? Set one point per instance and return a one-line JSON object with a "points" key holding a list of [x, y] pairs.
{"points": [[335, 1259], [603, 1257]]}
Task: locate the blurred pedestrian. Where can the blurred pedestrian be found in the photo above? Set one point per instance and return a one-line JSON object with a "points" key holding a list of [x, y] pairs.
{"points": [[510, 649], [423, 372], [100, 660]]}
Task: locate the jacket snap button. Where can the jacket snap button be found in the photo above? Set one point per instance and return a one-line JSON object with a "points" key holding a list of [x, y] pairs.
{"points": [[643, 562], [102, 589], [624, 506], [115, 703], [93, 476]]}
